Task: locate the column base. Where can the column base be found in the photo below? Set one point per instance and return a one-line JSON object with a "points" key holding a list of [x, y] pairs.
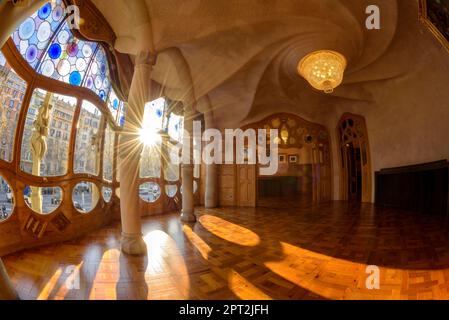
{"points": [[210, 205], [188, 217], [133, 244]]}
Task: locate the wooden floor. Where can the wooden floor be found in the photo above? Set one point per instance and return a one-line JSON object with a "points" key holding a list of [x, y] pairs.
{"points": [[296, 253]]}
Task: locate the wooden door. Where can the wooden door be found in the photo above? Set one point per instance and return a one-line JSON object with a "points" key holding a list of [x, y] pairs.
{"points": [[246, 182]]}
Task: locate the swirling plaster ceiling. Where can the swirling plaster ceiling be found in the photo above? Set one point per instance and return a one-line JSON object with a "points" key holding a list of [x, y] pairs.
{"points": [[242, 55]]}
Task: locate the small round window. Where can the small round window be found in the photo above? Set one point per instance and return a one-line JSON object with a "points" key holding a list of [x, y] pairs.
{"points": [[6, 200], [107, 194], [43, 200], [149, 192], [171, 190], [85, 197]]}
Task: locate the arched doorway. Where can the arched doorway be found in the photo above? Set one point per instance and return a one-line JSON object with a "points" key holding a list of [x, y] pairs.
{"points": [[356, 181], [304, 173]]}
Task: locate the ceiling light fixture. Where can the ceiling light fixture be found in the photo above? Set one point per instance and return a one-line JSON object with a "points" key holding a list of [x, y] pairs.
{"points": [[323, 69]]}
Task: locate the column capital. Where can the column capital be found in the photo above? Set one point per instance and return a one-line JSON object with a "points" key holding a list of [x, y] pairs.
{"points": [[187, 166], [146, 58]]}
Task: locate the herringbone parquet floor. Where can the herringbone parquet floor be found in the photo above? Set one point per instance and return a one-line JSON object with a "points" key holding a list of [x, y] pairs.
{"points": [[265, 253]]}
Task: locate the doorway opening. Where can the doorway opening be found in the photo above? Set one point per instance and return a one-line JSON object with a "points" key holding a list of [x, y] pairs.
{"points": [[355, 159], [304, 172]]}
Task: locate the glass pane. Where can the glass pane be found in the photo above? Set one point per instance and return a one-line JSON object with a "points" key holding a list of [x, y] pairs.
{"points": [[114, 105], [33, 36], [88, 140], [67, 58], [12, 92], [43, 200], [108, 153], [175, 127], [197, 166], [122, 115], [171, 171], [171, 190], [149, 192], [150, 162], [48, 126], [6, 200], [85, 197], [107, 194], [153, 116], [97, 78]]}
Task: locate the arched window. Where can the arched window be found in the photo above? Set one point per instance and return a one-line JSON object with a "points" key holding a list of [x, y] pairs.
{"points": [[46, 41]]}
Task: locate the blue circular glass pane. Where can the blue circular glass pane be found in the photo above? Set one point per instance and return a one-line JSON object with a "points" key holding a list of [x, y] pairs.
{"points": [[103, 68], [58, 12], [31, 53], [159, 113], [55, 51], [115, 104], [45, 11], [75, 78], [26, 29], [102, 95]]}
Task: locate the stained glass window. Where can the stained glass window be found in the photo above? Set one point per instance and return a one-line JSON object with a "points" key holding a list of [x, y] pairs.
{"points": [[67, 58], [154, 115], [33, 36], [47, 43], [175, 127], [97, 78], [114, 105]]}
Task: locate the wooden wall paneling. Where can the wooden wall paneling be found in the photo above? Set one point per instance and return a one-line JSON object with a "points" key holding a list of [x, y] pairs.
{"points": [[226, 185], [300, 134], [246, 185]]}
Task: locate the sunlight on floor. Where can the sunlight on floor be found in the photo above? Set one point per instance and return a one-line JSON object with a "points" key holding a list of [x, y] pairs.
{"points": [[227, 231], [195, 240], [244, 289]]}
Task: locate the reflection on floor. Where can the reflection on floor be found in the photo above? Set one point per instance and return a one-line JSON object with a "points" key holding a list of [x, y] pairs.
{"points": [[312, 253], [299, 201]]}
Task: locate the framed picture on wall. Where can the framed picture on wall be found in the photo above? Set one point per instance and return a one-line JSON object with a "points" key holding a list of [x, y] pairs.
{"points": [[293, 158], [282, 158]]}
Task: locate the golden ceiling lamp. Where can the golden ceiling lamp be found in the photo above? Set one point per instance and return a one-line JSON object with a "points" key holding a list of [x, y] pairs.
{"points": [[323, 69]]}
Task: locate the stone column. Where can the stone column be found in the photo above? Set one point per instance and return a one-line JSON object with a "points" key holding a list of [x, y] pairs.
{"points": [[130, 149], [13, 14], [7, 291], [187, 214], [211, 194]]}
